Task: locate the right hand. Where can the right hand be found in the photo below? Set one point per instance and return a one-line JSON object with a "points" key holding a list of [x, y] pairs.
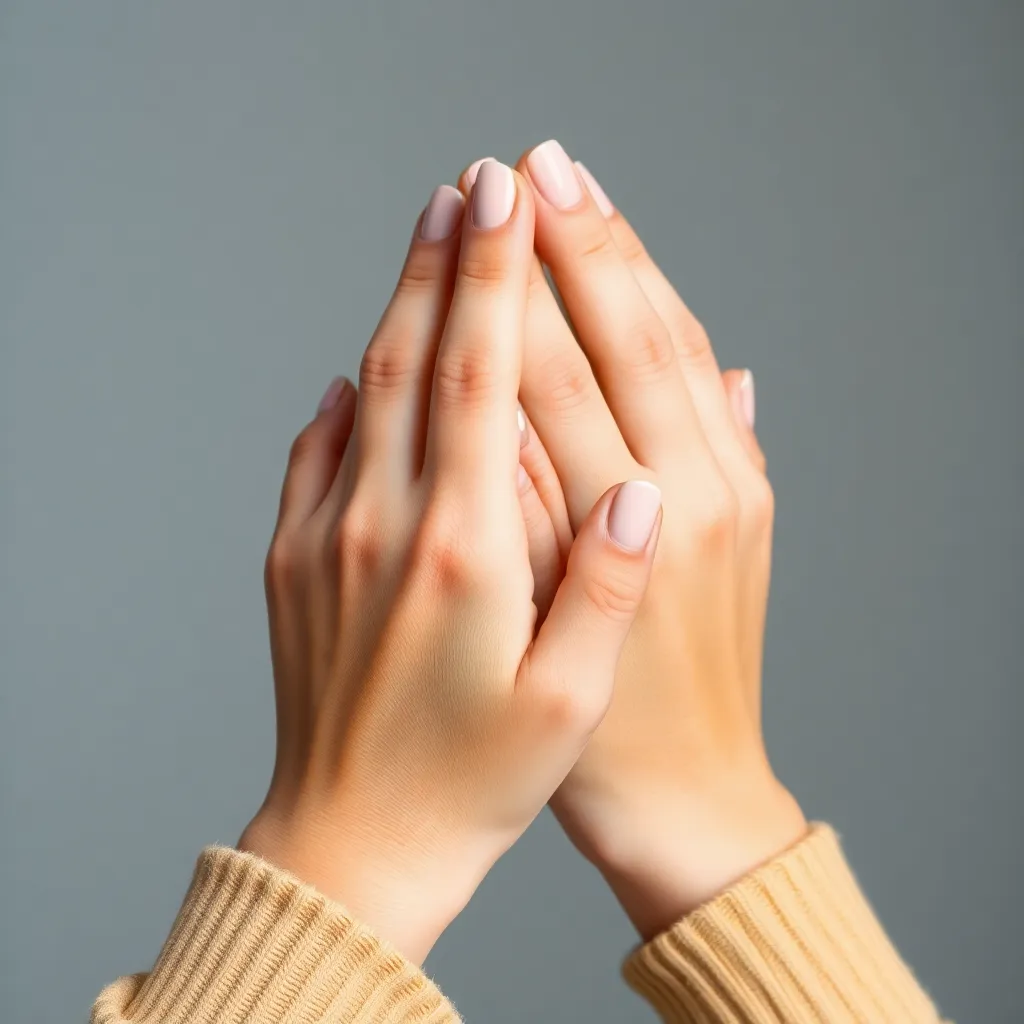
{"points": [[674, 798], [423, 718]]}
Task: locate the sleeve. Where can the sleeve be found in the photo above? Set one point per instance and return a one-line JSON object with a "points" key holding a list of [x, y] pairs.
{"points": [[253, 943], [794, 940]]}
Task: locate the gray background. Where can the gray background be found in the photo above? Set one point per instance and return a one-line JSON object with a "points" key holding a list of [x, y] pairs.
{"points": [[202, 211]]}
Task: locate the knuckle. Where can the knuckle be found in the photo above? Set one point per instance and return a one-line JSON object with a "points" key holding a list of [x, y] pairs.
{"points": [[453, 558], [466, 376], [717, 517], [757, 457], [282, 566], [693, 346], [632, 249], [386, 367], [596, 245], [567, 709], [443, 558], [648, 351], [420, 273], [486, 270], [568, 380], [614, 593], [358, 540], [562, 706], [759, 503]]}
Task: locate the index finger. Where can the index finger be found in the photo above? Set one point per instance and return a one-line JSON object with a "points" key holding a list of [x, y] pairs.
{"points": [[472, 437]]}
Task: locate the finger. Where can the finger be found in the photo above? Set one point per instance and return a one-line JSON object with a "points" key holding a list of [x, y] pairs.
{"points": [[546, 559], [396, 371], [739, 387], [316, 454], [564, 403], [689, 341], [627, 344], [578, 647], [534, 459], [470, 445]]}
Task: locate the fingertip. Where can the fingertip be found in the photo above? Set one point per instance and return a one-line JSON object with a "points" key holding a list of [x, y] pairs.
{"points": [[339, 416], [747, 402], [346, 403], [333, 394], [442, 214], [317, 452], [468, 177], [739, 388], [732, 381]]}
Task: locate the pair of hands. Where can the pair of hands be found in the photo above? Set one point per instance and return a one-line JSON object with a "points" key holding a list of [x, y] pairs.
{"points": [[475, 611]]}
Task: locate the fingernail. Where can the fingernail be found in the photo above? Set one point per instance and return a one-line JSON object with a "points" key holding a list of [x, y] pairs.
{"points": [[332, 394], [442, 215], [494, 195], [523, 479], [633, 514], [474, 167], [524, 430], [604, 204], [553, 174], [747, 397]]}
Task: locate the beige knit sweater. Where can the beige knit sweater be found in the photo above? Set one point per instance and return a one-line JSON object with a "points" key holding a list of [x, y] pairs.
{"points": [[793, 941]]}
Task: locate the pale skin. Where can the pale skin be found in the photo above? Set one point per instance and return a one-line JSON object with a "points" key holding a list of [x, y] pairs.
{"points": [[458, 641]]}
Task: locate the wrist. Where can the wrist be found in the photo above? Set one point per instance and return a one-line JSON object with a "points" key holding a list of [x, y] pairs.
{"points": [[673, 852], [406, 893]]}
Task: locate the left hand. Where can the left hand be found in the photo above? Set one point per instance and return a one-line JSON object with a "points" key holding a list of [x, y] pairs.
{"points": [[424, 717]]}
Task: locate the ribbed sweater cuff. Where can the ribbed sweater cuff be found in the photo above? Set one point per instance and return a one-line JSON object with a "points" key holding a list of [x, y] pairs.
{"points": [[253, 943], [793, 941]]}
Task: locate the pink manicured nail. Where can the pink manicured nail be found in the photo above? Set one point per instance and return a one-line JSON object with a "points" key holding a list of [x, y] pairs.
{"points": [[494, 195], [524, 430], [554, 175], [747, 397], [633, 514], [604, 204], [332, 394], [473, 168], [442, 215]]}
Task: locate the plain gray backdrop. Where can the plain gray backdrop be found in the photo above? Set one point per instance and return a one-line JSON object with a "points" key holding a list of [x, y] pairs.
{"points": [[203, 208]]}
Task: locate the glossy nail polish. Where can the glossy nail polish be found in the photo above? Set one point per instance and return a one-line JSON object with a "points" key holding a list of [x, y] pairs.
{"points": [[633, 514], [554, 175], [747, 398], [442, 215], [473, 169], [332, 394], [494, 195]]}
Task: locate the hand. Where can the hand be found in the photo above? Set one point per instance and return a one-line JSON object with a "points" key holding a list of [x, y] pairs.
{"points": [[674, 797], [423, 718]]}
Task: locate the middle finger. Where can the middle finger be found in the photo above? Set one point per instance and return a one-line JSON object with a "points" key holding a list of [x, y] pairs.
{"points": [[561, 397], [626, 342]]}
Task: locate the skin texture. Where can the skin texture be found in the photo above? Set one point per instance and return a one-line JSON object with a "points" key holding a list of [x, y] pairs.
{"points": [[674, 797], [426, 710]]}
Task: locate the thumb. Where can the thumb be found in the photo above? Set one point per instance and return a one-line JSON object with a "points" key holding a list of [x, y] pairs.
{"points": [[577, 649]]}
